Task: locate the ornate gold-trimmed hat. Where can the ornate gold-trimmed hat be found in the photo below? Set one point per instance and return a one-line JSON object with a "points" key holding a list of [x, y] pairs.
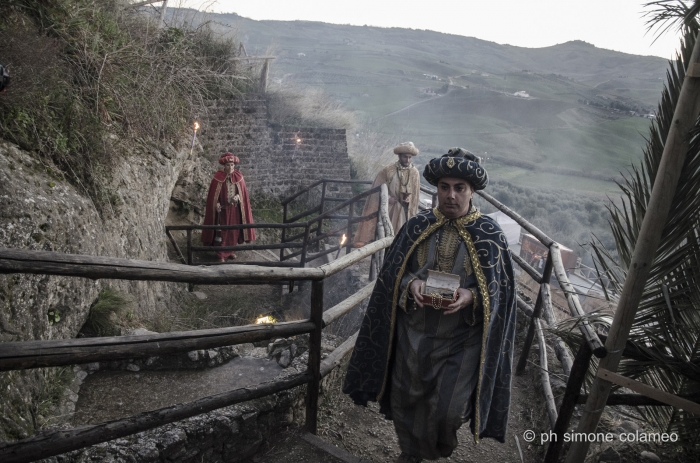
{"points": [[406, 148], [229, 157], [457, 163]]}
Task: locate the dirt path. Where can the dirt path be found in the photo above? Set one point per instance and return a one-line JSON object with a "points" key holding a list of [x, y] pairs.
{"points": [[366, 434]]}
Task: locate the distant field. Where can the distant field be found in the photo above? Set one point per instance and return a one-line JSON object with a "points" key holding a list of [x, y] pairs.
{"points": [[566, 135]]}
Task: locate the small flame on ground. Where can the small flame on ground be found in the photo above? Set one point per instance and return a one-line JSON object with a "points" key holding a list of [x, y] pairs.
{"points": [[264, 320], [196, 126], [343, 239]]}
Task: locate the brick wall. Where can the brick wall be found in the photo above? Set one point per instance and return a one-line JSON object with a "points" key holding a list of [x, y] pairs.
{"points": [[272, 161]]}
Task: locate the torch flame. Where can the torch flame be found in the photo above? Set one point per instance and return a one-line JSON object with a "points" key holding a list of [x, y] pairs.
{"points": [[196, 126], [343, 239], [298, 140], [264, 320]]}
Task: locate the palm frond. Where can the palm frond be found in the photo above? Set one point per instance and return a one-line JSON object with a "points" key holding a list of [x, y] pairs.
{"points": [[663, 348], [665, 15]]}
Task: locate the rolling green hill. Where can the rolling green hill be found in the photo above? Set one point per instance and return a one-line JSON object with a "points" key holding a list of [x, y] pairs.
{"points": [[574, 130]]}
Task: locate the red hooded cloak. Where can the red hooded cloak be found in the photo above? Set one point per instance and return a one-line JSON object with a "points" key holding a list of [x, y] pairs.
{"points": [[231, 214]]}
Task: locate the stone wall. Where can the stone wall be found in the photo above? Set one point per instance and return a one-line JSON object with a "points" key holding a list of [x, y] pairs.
{"points": [[40, 210], [275, 160]]}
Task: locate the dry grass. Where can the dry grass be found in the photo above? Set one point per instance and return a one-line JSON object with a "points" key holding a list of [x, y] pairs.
{"points": [[86, 70]]}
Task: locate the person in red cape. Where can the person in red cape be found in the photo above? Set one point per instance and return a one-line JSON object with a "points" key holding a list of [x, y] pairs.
{"points": [[228, 204]]}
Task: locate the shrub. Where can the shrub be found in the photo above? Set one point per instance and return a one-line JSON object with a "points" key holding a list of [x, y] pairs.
{"points": [[87, 70]]}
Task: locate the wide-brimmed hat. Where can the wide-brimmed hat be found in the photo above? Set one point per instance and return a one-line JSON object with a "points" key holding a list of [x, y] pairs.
{"points": [[457, 163], [406, 148], [229, 157]]}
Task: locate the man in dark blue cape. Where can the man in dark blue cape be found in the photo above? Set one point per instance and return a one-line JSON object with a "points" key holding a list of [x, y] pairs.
{"points": [[433, 367]]}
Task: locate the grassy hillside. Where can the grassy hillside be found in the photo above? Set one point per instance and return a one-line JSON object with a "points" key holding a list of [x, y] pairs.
{"points": [[441, 90]]}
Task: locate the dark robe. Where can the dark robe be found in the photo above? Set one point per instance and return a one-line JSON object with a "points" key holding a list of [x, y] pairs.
{"points": [[371, 365], [231, 214]]}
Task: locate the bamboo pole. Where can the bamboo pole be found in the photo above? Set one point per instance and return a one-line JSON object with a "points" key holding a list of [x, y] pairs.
{"points": [[559, 347], [655, 217], [544, 375]]}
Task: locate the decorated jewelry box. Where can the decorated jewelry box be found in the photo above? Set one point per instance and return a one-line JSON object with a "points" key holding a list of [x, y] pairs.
{"points": [[440, 289]]}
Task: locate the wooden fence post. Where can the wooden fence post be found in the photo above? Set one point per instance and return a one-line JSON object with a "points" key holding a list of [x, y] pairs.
{"points": [[314, 365], [190, 286], [546, 274], [284, 231], [351, 215], [319, 229], [305, 246], [568, 403]]}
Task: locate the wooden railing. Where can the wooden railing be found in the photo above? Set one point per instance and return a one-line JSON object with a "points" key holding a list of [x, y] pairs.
{"points": [[36, 354], [302, 243], [333, 214]]}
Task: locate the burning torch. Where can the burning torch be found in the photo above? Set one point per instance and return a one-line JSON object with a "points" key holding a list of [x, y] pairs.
{"points": [[194, 136], [340, 246]]}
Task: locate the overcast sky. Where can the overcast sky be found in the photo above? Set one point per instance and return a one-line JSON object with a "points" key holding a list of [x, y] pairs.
{"points": [[612, 24]]}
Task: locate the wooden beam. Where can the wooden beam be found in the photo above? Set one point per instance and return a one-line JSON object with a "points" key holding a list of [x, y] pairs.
{"points": [[568, 403], [559, 347], [34, 354], [93, 267], [58, 442], [544, 375], [337, 311], [354, 257], [533, 230], [336, 357], [314, 364], [575, 308], [534, 274], [525, 353], [648, 391]]}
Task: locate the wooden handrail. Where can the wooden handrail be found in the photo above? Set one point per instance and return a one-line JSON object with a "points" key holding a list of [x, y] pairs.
{"points": [[533, 230], [337, 311], [345, 204], [318, 182], [587, 331], [93, 267], [33, 354]]}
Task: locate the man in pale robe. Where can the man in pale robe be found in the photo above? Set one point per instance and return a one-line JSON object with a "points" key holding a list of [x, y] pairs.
{"points": [[403, 182]]}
